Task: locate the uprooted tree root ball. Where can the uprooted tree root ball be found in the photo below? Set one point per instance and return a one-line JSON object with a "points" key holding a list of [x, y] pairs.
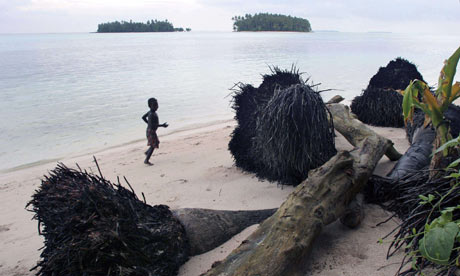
{"points": [[380, 104], [244, 102], [247, 101], [259, 146], [379, 107], [396, 75], [293, 135], [94, 227]]}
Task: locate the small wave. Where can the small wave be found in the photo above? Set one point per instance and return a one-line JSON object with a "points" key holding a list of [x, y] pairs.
{"points": [[29, 165]]}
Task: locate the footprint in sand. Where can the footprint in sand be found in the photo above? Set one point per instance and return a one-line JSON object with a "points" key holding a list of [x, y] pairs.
{"points": [[7, 185], [181, 181], [172, 199], [5, 227]]}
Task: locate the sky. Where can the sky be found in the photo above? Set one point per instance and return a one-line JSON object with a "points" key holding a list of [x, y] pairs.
{"points": [[401, 16]]}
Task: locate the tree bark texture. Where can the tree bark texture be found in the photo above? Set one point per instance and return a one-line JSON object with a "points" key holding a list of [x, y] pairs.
{"points": [[206, 229], [282, 242]]}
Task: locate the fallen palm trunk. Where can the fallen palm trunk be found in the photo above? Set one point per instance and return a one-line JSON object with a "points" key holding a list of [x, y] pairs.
{"points": [[282, 241], [206, 229], [417, 157]]}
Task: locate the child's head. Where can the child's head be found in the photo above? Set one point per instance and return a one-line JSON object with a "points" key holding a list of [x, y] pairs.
{"points": [[153, 103]]}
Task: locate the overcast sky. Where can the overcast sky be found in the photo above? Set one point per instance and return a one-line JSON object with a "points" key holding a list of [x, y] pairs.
{"points": [[415, 16]]}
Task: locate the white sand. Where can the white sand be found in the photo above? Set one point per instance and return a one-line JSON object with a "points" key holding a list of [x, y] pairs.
{"points": [[195, 169]]}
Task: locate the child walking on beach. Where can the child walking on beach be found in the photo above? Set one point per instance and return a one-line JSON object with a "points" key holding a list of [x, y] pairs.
{"points": [[151, 119]]}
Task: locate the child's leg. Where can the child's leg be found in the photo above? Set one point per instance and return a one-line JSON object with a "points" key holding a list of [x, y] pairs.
{"points": [[148, 155]]}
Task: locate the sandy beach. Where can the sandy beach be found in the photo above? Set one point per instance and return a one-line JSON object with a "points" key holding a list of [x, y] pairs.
{"points": [[194, 169]]}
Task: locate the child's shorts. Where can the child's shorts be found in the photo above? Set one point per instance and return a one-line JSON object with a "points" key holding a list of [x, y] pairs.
{"points": [[152, 139]]}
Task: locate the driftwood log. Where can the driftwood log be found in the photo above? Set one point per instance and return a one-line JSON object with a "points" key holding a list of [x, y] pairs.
{"points": [[282, 242]]}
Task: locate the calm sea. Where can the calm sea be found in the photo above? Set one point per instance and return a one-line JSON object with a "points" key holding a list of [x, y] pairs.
{"points": [[65, 94]]}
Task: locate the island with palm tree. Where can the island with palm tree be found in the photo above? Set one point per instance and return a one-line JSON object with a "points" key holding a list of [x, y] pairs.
{"points": [[129, 27], [265, 22]]}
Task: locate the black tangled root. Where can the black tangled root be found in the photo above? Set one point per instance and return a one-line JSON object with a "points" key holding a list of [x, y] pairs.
{"points": [[94, 227], [283, 128]]}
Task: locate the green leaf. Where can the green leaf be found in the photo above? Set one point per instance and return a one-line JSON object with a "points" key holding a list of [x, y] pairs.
{"points": [[454, 175], [454, 164], [447, 76], [422, 197], [448, 144], [430, 197], [408, 101], [414, 264], [449, 209], [445, 218], [436, 245], [423, 107]]}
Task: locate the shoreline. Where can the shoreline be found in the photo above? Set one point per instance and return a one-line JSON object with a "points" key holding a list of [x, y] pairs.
{"points": [[185, 129], [194, 169]]}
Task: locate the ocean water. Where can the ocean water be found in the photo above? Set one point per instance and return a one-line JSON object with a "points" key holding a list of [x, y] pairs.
{"points": [[67, 94]]}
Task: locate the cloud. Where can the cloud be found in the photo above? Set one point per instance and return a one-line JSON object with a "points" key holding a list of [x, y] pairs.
{"points": [[53, 5], [84, 15], [351, 15]]}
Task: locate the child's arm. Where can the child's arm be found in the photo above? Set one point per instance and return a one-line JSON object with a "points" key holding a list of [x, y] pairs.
{"points": [[164, 125], [145, 117]]}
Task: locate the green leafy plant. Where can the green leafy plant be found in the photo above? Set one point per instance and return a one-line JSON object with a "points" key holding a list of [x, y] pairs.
{"points": [[441, 234], [434, 106]]}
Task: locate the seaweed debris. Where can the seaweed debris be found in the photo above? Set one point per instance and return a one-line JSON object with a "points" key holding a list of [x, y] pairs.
{"points": [[94, 227]]}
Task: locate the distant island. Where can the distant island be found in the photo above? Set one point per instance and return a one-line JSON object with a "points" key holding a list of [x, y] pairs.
{"points": [[129, 27], [262, 22]]}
